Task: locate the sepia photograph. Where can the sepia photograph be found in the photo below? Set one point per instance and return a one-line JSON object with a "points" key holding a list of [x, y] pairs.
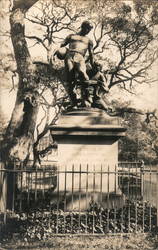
{"points": [[79, 124]]}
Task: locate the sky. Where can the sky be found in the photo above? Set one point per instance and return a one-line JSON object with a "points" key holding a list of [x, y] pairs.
{"points": [[146, 98]]}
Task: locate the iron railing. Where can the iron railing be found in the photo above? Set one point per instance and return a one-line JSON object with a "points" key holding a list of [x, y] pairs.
{"points": [[81, 199]]}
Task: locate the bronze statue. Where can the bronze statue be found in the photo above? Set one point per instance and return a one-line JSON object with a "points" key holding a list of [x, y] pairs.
{"points": [[79, 44], [95, 88], [92, 83], [75, 65]]}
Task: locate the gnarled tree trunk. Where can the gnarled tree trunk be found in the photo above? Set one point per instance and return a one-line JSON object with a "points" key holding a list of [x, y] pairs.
{"points": [[18, 139], [19, 135]]}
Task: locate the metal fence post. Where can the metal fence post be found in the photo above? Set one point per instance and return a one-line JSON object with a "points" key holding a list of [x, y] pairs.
{"points": [[3, 188], [157, 196]]}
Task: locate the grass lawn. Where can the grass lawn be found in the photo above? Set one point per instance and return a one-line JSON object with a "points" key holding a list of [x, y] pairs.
{"points": [[133, 241]]}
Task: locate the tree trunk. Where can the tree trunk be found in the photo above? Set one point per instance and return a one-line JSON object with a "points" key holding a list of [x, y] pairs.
{"points": [[19, 135], [18, 140]]}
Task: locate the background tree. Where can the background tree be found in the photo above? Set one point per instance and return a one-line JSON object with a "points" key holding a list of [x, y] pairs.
{"points": [[140, 142], [148, 141]]}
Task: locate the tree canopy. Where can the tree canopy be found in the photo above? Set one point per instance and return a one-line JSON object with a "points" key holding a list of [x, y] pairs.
{"points": [[124, 34]]}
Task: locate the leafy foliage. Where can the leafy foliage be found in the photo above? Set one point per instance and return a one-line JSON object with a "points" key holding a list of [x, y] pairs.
{"points": [[141, 141]]}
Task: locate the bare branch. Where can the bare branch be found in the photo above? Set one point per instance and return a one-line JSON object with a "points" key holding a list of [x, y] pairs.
{"points": [[41, 121], [39, 40]]}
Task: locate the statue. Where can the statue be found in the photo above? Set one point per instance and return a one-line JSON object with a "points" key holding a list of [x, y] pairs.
{"points": [[92, 83], [98, 84], [73, 57]]}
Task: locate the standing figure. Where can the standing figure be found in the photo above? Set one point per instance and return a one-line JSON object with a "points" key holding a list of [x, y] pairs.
{"points": [[75, 65]]}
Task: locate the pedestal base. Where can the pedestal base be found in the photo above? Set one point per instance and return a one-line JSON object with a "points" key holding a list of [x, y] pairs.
{"points": [[88, 151]]}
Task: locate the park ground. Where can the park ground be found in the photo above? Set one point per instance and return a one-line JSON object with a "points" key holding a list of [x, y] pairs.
{"points": [[132, 242]]}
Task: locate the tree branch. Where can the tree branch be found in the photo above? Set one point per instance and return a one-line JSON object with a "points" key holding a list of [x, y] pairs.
{"points": [[39, 40]]}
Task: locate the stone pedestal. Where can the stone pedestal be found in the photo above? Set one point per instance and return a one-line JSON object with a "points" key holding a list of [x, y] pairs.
{"points": [[88, 145]]}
